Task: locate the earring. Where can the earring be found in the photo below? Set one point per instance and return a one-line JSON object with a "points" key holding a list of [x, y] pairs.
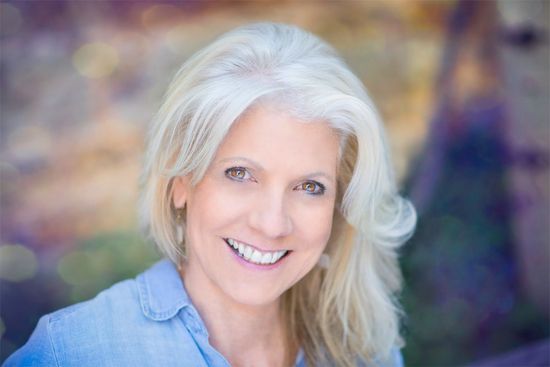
{"points": [[180, 214]]}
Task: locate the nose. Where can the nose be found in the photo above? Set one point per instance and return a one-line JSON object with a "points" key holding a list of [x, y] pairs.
{"points": [[270, 215]]}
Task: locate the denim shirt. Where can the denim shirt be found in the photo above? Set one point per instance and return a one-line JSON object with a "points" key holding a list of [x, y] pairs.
{"points": [[149, 321]]}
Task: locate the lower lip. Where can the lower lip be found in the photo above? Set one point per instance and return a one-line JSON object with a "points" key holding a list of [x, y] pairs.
{"points": [[252, 265]]}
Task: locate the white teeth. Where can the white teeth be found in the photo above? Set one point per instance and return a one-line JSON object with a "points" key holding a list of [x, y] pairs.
{"points": [[256, 256], [266, 259], [277, 255], [248, 253]]}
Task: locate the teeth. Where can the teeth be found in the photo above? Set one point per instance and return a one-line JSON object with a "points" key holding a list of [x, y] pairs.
{"points": [[255, 256], [247, 253], [266, 259], [277, 256]]}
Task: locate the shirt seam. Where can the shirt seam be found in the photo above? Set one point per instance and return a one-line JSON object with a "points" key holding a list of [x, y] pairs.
{"points": [[144, 299], [49, 331]]}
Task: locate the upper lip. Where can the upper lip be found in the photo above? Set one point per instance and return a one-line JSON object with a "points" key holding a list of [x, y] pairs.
{"points": [[254, 247]]}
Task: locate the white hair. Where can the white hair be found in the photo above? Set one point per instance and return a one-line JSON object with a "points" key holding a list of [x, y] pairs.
{"points": [[347, 311]]}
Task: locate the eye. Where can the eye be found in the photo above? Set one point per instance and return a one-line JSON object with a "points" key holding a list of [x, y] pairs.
{"points": [[238, 173], [312, 187]]}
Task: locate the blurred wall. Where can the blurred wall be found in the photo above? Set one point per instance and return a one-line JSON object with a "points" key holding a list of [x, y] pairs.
{"points": [[476, 270], [526, 71]]}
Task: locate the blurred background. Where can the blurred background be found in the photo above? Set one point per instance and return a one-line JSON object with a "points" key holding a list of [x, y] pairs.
{"points": [[463, 87]]}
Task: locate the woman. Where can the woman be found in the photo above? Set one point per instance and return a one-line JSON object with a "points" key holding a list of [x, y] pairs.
{"points": [[267, 185]]}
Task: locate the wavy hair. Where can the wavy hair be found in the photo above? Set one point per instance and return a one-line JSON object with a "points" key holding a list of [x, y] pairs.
{"points": [[343, 312]]}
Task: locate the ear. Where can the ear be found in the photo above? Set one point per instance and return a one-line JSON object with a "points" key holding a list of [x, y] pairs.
{"points": [[180, 190]]}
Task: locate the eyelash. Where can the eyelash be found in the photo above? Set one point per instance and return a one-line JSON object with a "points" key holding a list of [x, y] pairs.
{"points": [[232, 174]]}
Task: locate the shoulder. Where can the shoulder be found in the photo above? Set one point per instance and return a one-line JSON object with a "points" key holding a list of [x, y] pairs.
{"points": [[38, 351], [115, 305], [81, 325], [395, 359], [134, 322], [99, 318]]}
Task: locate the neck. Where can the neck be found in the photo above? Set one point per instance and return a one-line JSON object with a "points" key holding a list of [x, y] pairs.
{"points": [[246, 335]]}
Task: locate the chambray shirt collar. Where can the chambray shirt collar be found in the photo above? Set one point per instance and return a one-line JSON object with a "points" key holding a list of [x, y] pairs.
{"points": [[161, 292]]}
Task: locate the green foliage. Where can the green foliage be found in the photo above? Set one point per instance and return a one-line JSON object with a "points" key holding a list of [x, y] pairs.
{"points": [[102, 260]]}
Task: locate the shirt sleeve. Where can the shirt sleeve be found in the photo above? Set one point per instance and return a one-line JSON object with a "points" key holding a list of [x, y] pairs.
{"points": [[38, 351], [397, 358]]}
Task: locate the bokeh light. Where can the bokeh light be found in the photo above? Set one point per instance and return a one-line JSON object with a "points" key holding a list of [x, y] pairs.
{"points": [[79, 267], [95, 60], [17, 263]]}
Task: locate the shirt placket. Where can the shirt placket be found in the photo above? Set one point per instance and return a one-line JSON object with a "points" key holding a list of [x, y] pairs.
{"points": [[198, 331]]}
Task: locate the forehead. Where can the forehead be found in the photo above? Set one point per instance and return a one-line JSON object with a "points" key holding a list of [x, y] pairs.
{"points": [[269, 134]]}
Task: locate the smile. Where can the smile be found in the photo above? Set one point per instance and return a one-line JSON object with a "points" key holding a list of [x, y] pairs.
{"points": [[253, 255]]}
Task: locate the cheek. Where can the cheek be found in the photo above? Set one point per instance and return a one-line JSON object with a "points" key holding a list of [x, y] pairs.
{"points": [[315, 226], [211, 208]]}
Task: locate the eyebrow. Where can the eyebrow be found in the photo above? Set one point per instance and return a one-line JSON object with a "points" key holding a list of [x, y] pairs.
{"points": [[259, 167], [320, 174], [248, 160]]}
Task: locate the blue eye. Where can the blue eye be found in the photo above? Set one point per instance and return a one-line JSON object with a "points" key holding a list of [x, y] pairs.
{"points": [[312, 187], [237, 173]]}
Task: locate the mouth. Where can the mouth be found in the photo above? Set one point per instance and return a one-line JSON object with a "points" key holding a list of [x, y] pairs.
{"points": [[253, 255]]}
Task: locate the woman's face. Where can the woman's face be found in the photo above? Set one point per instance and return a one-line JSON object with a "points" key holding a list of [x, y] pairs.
{"points": [[261, 217]]}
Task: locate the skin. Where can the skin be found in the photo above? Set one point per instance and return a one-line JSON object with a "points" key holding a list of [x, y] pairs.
{"points": [[263, 188]]}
